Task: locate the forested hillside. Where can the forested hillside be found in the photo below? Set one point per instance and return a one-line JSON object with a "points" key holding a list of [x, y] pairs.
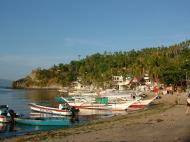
{"points": [[169, 65]]}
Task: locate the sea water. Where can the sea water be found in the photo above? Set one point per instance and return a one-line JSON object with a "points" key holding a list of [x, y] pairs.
{"points": [[18, 100]]}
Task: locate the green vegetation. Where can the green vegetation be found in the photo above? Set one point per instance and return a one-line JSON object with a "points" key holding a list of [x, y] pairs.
{"points": [[169, 65]]}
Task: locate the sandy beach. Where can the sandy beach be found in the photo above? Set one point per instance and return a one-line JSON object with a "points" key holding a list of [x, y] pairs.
{"points": [[163, 122]]}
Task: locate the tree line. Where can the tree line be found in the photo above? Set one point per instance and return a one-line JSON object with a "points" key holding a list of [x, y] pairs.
{"points": [[168, 65]]}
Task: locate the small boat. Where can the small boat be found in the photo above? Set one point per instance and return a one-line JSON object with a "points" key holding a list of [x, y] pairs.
{"points": [[43, 121], [121, 105], [140, 104], [63, 109], [99, 103], [87, 103], [6, 115]]}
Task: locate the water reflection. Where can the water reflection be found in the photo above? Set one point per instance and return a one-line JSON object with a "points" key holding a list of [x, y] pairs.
{"points": [[39, 95], [6, 127], [42, 96]]}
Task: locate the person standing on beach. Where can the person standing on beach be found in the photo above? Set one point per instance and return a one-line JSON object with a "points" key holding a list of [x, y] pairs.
{"points": [[188, 104], [156, 90]]}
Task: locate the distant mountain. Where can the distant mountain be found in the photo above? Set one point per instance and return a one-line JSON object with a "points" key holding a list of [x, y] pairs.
{"points": [[4, 83]]}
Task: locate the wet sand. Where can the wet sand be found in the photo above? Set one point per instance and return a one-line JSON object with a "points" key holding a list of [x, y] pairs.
{"points": [[163, 122]]}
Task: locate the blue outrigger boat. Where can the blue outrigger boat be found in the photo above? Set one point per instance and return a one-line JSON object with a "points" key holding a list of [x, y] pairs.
{"points": [[44, 121]]}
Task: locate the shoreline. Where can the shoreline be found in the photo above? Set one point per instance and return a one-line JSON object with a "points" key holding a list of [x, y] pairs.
{"points": [[162, 122], [33, 88]]}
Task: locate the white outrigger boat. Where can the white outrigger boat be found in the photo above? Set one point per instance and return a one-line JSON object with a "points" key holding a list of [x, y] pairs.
{"points": [[99, 103], [63, 109], [86, 103], [140, 104], [129, 96], [121, 105]]}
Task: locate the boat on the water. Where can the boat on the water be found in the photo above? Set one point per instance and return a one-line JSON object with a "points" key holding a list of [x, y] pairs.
{"points": [[6, 115], [43, 121], [63, 109]]}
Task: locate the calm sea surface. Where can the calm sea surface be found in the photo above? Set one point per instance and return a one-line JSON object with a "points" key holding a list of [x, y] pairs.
{"points": [[19, 99]]}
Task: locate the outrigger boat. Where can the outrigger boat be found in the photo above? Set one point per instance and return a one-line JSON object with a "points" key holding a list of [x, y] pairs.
{"points": [[99, 103], [63, 109], [86, 103], [140, 104]]}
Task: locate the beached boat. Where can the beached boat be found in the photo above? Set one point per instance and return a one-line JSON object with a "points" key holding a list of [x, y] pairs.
{"points": [[120, 104], [114, 94], [6, 115], [86, 102], [100, 103], [140, 104], [87, 105], [43, 121], [63, 109], [130, 95]]}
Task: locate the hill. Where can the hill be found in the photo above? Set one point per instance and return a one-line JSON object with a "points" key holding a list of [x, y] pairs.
{"points": [[168, 65]]}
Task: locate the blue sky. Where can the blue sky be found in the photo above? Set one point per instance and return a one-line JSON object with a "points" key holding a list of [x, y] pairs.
{"points": [[41, 33]]}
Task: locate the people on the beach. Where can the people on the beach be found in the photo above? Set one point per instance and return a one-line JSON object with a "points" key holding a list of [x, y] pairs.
{"points": [[188, 104], [156, 90]]}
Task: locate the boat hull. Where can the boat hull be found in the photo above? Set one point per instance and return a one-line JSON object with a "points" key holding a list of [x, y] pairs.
{"points": [[43, 122], [4, 119], [91, 106], [113, 106], [141, 104], [122, 106], [49, 110]]}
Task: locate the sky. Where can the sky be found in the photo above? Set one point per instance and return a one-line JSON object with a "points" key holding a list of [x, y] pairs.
{"points": [[41, 33]]}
